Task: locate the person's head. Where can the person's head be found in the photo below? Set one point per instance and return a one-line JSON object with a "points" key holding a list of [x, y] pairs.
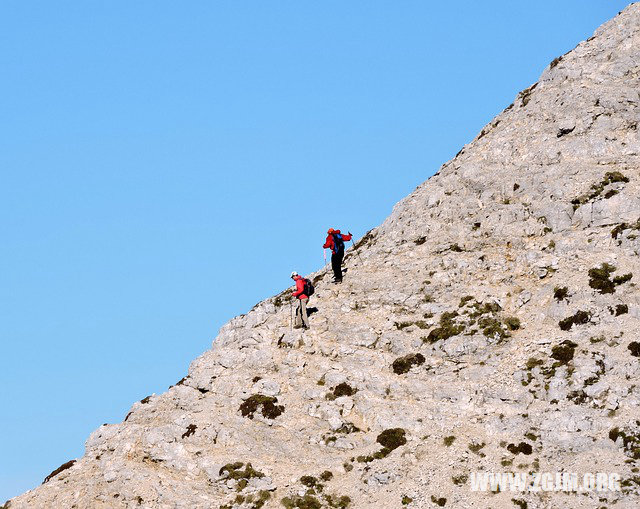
{"points": [[294, 275], [330, 230]]}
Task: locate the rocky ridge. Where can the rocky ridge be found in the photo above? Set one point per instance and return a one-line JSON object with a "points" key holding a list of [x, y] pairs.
{"points": [[491, 323]]}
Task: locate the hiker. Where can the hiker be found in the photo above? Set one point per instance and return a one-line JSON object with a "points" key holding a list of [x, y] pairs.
{"points": [[335, 242], [302, 320]]}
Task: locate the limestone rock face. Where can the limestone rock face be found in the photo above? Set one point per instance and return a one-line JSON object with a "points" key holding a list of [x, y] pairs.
{"points": [[491, 323]]}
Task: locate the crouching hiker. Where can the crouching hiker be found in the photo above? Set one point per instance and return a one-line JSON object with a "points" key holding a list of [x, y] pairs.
{"points": [[335, 242], [304, 289]]}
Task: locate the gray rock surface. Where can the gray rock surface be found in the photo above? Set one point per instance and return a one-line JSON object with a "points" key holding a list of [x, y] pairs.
{"points": [[480, 271]]}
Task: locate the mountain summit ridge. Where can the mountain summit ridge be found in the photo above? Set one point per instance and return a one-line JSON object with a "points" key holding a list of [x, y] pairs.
{"points": [[491, 323]]}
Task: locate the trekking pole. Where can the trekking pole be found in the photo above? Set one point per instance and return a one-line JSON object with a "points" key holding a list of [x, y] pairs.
{"points": [[291, 314], [354, 248], [324, 253]]}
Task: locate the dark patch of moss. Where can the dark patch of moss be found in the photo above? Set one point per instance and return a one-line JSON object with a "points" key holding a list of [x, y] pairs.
{"points": [[611, 177], [579, 397], [512, 323], [522, 504], [560, 293], [234, 471], [618, 229], [421, 324], [634, 348], [270, 409], [563, 352], [619, 280], [476, 226], [327, 475], [630, 441], [476, 448], [180, 382], [455, 248], [460, 480], [256, 379], [392, 438], [58, 470], [532, 362], [448, 441], [599, 278], [521, 448], [367, 240], [420, 240], [261, 500], [579, 318], [403, 364], [406, 500], [615, 176], [525, 95], [282, 299], [620, 309], [492, 328], [146, 400], [191, 429], [555, 62], [464, 300], [438, 501], [347, 428], [337, 502], [342, 389], [305, 502], [446, 329], [311, 482]]}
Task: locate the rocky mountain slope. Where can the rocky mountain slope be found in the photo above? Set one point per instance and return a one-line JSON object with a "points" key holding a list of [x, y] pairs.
{"points": [[491, 323]]}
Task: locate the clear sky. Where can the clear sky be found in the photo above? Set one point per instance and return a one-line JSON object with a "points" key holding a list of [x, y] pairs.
{"points": [[165, 165]]}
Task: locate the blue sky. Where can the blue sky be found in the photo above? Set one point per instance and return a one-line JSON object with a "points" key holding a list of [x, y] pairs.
{"points": [[165, 165]]}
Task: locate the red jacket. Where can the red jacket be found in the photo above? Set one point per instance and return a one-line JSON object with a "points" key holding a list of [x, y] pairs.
{"points": [[330, 244], [299, 293]]}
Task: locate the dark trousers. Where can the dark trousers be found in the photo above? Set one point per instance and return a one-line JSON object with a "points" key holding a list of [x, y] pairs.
{"points": [[336, 264]]}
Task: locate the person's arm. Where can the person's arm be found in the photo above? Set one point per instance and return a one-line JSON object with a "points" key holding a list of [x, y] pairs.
{"points": [[328, 243], [299, 287], [346, 236]]}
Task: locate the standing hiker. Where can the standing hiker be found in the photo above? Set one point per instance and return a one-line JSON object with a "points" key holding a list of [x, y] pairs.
{"points": [[335, 242], [302, 320]]}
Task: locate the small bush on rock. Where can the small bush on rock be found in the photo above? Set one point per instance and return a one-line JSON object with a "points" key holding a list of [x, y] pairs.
{"points": [[522, 447], [634, 348], [270, 409], [404, 364], [560, 293], [342, 389], [579, 318], [599, 278], [563, 352]]}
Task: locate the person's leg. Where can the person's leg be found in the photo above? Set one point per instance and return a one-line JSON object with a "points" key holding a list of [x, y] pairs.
{"points": [[339, 258], [336, 265], [298, 321], [303, 312]]}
